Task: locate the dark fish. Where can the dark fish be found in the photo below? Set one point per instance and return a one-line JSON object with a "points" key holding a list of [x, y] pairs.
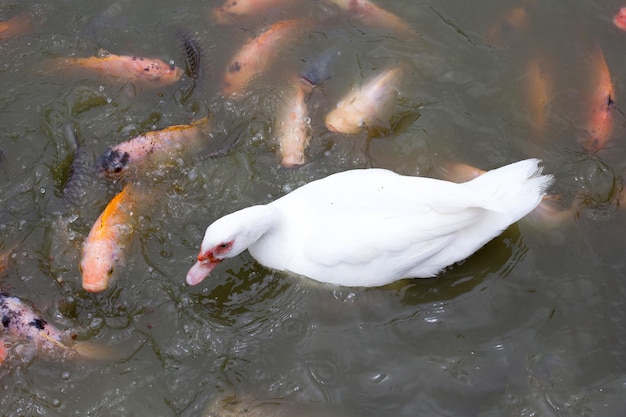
{"points": [[192, 55], [78, 176], [318, 69]]}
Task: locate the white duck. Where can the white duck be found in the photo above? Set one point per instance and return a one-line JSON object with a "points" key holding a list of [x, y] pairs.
{"points": [[370, 227]]}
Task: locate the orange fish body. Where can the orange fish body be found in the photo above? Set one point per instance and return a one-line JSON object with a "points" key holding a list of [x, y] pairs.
{"points": [[294, 131], [16, 26], [539, 88], [256, 55], [370, 14], [620, 19], [600, 120], [146, 71], [103, 249], [151, 147], [364, 106], [3, 352]]}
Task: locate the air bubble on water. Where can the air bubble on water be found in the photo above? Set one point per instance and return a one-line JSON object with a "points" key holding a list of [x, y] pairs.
{"points": [[65, 375], [42, 190], [56, 402]]}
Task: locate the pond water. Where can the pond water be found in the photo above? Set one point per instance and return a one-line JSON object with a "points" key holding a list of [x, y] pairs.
{"points": [[534, 324]]}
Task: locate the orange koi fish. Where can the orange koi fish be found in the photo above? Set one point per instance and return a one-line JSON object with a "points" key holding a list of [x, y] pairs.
{"points": [[539, 88], [365, 106], [21, 322], [256, 55], [294, 130], [152, 147], [513, 22], [103, 250], [370, 14], [16, 26], [600, 120], [151, 72], [232, 9], [620, 19]]}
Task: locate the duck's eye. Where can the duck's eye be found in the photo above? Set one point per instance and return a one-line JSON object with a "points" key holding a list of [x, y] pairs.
{"points": [[224, 245], [110, 272]]}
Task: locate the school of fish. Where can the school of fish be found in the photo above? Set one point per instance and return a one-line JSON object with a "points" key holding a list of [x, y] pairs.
{"points": [[368, 103]]}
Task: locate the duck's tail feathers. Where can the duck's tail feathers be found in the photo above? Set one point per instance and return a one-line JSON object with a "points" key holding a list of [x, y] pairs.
{"points": [[517, 187]]}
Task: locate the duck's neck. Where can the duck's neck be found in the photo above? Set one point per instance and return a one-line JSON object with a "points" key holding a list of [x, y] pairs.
{"points": [[256, 221]]}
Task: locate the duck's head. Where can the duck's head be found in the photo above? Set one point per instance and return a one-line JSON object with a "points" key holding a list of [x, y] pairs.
{"points": [[228, 237]]}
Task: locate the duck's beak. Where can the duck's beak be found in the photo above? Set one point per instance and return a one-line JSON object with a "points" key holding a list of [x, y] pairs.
{"points": [[200, 271]]}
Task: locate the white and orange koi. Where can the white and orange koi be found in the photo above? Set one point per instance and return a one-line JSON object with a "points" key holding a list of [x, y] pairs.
{"points": [[366, 106], [257, 54], [21, 323], [372, 15], [294, 130], [601, 101], [103, 250], [151, 148], [16, 26], [149, 72]]}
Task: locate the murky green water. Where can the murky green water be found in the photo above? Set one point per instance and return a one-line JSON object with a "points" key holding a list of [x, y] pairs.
{"points": [[532, 325]]}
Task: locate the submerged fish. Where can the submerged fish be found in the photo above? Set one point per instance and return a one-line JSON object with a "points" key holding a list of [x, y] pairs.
{"points": [[78, 178], [192, 55], [256, 55], [601, 102], [620, 19], [294, 130], [318, 69], [241, 8], [151, 72], [151, 148], [103, 250], [370, 14], [249, 406], [539, 90], [21, 322], [16, 26], [514, 22], [365, 106]]}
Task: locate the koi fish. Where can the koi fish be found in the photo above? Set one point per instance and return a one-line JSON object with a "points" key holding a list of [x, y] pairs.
{"points": [[77, 176], [21, 322], [370, 14], [600, 120], [539, 92], [294, 130], [515, 21], [192, 54], [364, 107], [151, 72], [256, 55], [103, 250], [151, 147], [16, 26], [249, 406], [232, 9], [620, 19]]}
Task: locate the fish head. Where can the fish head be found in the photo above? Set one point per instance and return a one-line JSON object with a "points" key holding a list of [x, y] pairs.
{"points": [[97, 265], [113, 163], [344, 119]]}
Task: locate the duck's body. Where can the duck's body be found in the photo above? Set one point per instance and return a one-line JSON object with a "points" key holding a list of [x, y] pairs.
{"points": [[372, 227]]}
